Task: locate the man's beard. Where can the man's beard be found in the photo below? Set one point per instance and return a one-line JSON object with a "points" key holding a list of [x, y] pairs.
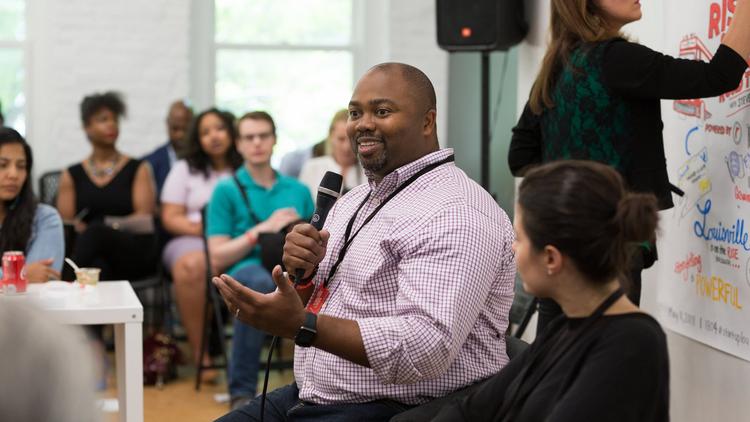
{"points": [[374, 164]]}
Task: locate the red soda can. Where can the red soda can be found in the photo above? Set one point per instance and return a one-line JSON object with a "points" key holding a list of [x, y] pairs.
{"points": [[14, 273]]}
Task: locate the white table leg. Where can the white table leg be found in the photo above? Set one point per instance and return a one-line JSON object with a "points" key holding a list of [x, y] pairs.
{"points": [[129, 357]]}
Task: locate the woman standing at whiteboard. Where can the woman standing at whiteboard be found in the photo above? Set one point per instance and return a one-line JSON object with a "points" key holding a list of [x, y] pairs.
{"points": [[596, 97]]}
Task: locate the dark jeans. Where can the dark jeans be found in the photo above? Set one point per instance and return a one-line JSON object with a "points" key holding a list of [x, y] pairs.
{"points": [[247, 341], [283, 404]]}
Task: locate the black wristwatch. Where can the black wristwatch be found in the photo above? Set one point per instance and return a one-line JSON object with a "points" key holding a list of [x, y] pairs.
{"points": [[307, 331]]}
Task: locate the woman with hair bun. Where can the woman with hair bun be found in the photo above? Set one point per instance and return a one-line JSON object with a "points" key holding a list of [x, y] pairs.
{"points": [[603, 359]]}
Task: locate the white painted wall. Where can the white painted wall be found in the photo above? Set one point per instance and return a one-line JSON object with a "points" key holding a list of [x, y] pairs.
{"points": [[77, 47], [413, 40], [706, 384], [143, 49]]}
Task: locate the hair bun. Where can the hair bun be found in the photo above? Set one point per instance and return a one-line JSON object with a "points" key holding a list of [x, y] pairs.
{"points": [[637, 217]]}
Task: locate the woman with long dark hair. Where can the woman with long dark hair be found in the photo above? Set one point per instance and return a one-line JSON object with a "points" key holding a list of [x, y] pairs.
{"points": [[210, 156], [603, 359], [596, 97], [25, 224]]}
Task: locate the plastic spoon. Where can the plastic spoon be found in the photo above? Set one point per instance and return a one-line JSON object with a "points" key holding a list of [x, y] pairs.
{"points": [[72, 264]]}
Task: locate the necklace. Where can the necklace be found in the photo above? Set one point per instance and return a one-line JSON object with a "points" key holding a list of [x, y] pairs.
{"points": [[105, 171]]}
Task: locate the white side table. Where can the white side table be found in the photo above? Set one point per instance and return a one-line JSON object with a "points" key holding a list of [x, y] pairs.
{"points": [[112, 302]]}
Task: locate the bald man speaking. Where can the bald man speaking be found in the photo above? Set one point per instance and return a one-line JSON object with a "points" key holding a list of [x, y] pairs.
{"points": [[407, 289]]}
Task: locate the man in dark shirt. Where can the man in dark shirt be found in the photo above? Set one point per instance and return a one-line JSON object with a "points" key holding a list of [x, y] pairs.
{"points": [[161, 160]]}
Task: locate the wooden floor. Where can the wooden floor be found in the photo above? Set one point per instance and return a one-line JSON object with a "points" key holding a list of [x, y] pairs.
{"points": [[178, 400]]}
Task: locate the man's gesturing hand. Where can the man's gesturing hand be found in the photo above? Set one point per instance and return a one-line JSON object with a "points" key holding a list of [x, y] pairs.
{"points": [[279, 313]]}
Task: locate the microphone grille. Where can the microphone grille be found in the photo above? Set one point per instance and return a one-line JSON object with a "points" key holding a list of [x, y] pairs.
{"points": [[331, 182]]}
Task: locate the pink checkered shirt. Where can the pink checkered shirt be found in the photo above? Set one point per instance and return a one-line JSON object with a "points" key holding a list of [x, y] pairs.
{"points": [[429, 281]]}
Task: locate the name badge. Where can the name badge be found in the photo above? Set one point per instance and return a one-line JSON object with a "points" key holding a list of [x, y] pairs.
{"points": [[318, 299]]}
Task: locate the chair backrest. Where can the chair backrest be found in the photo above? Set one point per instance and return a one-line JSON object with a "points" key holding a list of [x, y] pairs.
{"points": [[48, 187], [514, 346]]}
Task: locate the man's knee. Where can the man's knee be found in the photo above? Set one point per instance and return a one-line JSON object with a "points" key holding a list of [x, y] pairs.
{"points": [[278, 402]]}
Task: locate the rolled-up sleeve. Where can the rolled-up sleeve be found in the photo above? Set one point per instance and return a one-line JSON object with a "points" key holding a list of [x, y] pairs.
{"points": [[445, 275]]}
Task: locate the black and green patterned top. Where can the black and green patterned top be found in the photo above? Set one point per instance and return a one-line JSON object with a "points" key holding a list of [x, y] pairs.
{"points": [[607, 109]]}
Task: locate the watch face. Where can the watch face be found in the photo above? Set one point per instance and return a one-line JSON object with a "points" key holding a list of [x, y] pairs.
{"points": [[306, 333], [304, 337]]}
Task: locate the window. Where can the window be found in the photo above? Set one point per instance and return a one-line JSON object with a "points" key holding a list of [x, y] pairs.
{"points": [[12, 34], [292, 58]]}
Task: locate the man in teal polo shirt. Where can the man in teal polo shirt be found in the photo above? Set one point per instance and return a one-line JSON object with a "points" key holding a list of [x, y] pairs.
{"points": [[270, 202]]}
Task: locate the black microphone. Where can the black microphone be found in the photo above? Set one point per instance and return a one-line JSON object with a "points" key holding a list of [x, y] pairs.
{"points": [[328, 192]]}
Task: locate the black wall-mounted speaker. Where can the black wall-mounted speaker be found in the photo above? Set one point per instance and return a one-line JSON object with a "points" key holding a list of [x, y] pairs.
{"points": [[480, 25]]}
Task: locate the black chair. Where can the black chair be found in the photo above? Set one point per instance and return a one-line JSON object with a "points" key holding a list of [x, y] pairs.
{"points": [[212, 317], [514, 346], [49, 184], [523, 308], [426, 412]]}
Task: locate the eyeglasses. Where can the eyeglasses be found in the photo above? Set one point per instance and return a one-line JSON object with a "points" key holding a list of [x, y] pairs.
{"points": [[262, 136]]}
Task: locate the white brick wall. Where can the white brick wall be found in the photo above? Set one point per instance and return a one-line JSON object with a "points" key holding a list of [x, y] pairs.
{"points": [[142, 49], [413, 40], [77, 47]]}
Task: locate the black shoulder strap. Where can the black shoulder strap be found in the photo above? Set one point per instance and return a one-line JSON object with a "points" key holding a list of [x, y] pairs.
{"points": [[246, 199]]}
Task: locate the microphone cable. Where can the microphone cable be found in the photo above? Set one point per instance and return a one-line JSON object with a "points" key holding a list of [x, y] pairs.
{"points": [[328, 192]]}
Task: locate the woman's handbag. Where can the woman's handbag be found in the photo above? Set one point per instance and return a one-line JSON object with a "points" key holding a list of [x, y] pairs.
{"points": [[160, 359]]}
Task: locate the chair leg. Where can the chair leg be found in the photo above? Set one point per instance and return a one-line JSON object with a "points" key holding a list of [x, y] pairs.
{"points": [[204, 342], [219, 324]]}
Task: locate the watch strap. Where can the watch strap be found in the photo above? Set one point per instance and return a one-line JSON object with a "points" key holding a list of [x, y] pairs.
{"points": [[307, 331]]}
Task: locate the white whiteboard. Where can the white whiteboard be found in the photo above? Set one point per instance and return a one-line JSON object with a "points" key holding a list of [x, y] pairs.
{"points": [[704, 263]]}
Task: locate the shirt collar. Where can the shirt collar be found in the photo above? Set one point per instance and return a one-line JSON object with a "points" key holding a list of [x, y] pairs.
{"points": [[246, 179], [395, 178], [171, 153]]}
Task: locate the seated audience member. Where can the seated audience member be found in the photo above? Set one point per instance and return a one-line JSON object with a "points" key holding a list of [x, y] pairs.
{"points": [[25, 224], [109, 197], [292, 163], [162, 159], [268, 202], [342, 159], [210, 154], [46, 373], [414, 305], [603, 359]]}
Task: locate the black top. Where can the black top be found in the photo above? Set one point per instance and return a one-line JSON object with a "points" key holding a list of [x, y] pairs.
{"points": [[617, 370], [113, 199], [607, 109]]}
